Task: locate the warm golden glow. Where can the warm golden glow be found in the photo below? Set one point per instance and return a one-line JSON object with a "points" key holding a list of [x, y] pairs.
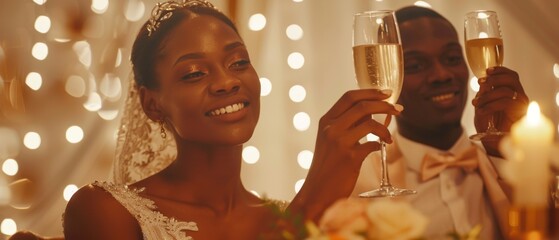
{"points": [[533, 115]]}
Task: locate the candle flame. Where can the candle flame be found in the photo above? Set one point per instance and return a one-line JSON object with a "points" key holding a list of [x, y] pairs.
{"points": [[533, 115]]}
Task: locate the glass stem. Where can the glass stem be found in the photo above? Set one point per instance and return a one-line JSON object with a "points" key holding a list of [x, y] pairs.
{"points": [[385, 181]]}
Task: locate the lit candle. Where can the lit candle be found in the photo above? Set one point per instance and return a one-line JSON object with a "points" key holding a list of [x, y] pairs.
{"points": [[533, 136]]}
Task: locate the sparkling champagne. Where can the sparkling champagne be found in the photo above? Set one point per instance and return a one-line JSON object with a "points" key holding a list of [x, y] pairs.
{"points": [[484, 53], [379, 66]]}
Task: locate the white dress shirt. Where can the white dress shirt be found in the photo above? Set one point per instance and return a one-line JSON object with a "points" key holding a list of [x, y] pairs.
{"points": [[454, 200]]}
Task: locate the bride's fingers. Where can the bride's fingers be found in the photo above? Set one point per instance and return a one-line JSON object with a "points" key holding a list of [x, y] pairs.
{"points": [[359, 111], [350, 98], [362, 150], [353, 135]]}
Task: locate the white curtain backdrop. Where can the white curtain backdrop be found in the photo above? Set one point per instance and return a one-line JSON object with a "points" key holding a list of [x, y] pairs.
{"points": [[530, 30]]}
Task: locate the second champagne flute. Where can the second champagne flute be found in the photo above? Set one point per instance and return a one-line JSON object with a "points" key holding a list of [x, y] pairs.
{"points": [[378, 61], [484, 49]]}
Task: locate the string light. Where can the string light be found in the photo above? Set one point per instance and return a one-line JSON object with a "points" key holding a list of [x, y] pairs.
{"points": [[297, 93], [301, 121], [265, 86], [257, 22], [296, 60]]}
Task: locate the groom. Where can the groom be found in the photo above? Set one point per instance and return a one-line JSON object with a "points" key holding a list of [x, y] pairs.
{"points": [[429, 131]]}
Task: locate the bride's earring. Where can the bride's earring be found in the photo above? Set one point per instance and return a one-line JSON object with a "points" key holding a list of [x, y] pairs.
{"points": [[163, 132]]}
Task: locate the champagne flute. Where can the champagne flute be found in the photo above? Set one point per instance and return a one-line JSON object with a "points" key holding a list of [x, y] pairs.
{"points": [[378, 61], [484, 49]]}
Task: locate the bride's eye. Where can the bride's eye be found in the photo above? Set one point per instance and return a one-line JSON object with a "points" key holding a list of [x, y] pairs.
{"points": [[193, 76], [240, 64]]}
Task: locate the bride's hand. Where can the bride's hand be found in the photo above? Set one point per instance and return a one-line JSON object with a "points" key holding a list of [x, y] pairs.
{"points": [[338, 153]]}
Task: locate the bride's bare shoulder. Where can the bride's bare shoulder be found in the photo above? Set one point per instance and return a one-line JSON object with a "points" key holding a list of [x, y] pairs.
{"points": [[93, 213]]}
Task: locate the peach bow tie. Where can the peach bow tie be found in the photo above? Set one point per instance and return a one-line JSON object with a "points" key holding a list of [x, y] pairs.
{"points": [[433, 164]]}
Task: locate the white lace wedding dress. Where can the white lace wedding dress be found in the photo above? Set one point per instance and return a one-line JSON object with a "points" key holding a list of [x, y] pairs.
{"points": [[154, 224], [142, 152]]}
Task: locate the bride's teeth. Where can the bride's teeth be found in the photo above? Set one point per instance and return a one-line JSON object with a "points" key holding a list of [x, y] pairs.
{"points": [[228, 109]]}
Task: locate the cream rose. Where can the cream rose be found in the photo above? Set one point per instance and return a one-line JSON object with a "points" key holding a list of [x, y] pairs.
{"points": [[345, 217], [394, 220]]}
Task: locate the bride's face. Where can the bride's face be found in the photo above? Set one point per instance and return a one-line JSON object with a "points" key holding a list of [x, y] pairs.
{"points": [[208, 90]]}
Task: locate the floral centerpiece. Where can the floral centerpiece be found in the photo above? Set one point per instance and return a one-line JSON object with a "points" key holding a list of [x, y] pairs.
{"points": [[378, 219], [354, 218]]}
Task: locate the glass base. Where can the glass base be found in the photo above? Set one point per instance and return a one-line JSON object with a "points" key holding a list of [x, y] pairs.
{"points": [[488, 136], [387, 191]]}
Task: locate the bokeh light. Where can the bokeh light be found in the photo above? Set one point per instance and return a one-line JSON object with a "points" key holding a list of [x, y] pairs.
{"points": [[257, 22], [265, 87], [8, 226], [422, 4], [299, 185], [297, 93], [301, 121], [10, 167], [34, 80], [372, 138], [110, 86], [304, 159], [251, 155], [74, 134], [69, 191], [93, 103], [32, 140], [99, 6], [135, 10], [40, 51], [40, 2], [294, 32], [42, 24], [83, 51], [75, 86], [296, 60], [107, 114], [474, 85]]}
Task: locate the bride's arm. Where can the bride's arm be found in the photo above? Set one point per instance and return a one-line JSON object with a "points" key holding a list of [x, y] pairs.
{"points": [[338, 153], [93, 213]]}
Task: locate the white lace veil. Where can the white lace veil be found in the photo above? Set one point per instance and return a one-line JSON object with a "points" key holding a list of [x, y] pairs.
{"points": [[140, 149]]}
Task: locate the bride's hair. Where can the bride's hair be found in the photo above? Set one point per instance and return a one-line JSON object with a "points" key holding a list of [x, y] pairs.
{"points": [[165, 16]]}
